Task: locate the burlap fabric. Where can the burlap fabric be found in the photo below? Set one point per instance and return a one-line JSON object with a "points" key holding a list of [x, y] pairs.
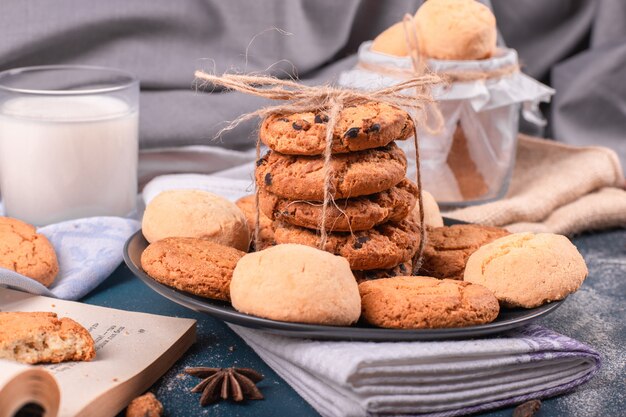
{"points": [[557, 188]]}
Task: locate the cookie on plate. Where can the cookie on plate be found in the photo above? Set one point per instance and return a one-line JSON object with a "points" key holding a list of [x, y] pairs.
{"points": [[266, 229], [382, 247], [528, 270], [42, 337], [359, 213], [354, 174], [296, 283], [448, 248], [402, 269], [193, 265], [27, 252], [432, 215], [195, 213], [359, 127], [426, 303]]}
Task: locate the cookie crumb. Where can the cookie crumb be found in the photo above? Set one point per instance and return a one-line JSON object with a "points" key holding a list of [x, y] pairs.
{"points": [[527, 409], [231, 348], [146, 405]]}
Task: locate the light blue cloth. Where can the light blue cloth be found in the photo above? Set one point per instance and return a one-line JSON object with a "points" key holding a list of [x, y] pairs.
{"points": [[88, 251]]}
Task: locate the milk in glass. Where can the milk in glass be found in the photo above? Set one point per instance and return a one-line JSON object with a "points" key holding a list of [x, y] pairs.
{"points": [[64, 157]]}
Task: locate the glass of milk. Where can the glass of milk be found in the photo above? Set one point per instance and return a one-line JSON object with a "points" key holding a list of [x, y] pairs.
{"points": [[68, 143]]}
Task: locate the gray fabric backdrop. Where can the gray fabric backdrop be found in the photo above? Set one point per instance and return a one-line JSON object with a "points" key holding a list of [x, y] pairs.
{"points": [[577, 46]]}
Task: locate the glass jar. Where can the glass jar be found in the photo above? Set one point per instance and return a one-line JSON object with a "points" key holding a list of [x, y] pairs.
{"points": [[470, 159]]}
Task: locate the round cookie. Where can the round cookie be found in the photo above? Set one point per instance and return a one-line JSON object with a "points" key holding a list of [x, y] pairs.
{"points": [[382, 247], [432, 215], [193, 265], [296, 283], [195, 213], [528, 270], [426, 303], [354, 174], [247, 206], [359, 127], [360, 213], [448, 248], [392, 41], [401, 269], [27, 252], [456, 30]]}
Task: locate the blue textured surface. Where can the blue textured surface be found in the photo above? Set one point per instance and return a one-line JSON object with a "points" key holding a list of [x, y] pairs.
{"points": [[594, 315]]}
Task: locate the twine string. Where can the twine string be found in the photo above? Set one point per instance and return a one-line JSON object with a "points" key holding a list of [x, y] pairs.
{"points": [[333, 115], [296, 98]]}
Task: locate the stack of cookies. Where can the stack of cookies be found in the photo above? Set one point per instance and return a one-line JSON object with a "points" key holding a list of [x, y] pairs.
{"points": [[370, 221]]}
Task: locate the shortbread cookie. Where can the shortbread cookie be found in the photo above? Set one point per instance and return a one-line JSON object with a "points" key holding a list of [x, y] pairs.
{"points": [[359, 127], [193, 265], [448, 248], [354, 174], [392, 41], [296, 283], [456, 30], [528, 270], [266, 229], [426, 303], [401, 269], [382, 247], [432, 215], [360, 213], [195, 213], [27, 252], [42, 337]]}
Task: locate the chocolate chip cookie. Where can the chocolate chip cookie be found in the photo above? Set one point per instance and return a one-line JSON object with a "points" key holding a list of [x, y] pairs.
{"points": [[426, 303], [360, 213], [448, 248], [353, 174], [365, 126], [193, 265], [402, 269], [382, 247]]}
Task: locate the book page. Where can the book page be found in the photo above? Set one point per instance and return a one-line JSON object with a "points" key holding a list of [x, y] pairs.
{"points": [[126, 344]]}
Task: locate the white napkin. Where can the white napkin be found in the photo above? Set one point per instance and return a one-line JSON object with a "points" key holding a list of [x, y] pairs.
{"points": [[350, 379], [88, 251]]}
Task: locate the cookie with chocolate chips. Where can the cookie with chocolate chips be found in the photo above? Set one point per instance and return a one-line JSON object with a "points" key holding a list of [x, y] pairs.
{"points": [[382, 247], [402, 269], [353, 174], [365, 126], [360, 213]]}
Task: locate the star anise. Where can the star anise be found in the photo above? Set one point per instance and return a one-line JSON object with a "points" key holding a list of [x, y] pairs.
{"points": [[237, 384]]}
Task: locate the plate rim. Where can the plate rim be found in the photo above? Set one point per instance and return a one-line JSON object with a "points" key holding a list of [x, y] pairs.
{"points": [[318, 331]]}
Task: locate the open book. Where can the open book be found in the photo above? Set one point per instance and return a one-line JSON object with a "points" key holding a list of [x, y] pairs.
{"points": [[132, 351]]}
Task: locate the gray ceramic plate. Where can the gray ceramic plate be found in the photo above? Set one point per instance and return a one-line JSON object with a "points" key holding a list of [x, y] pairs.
{"points": [[507, 319]]}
